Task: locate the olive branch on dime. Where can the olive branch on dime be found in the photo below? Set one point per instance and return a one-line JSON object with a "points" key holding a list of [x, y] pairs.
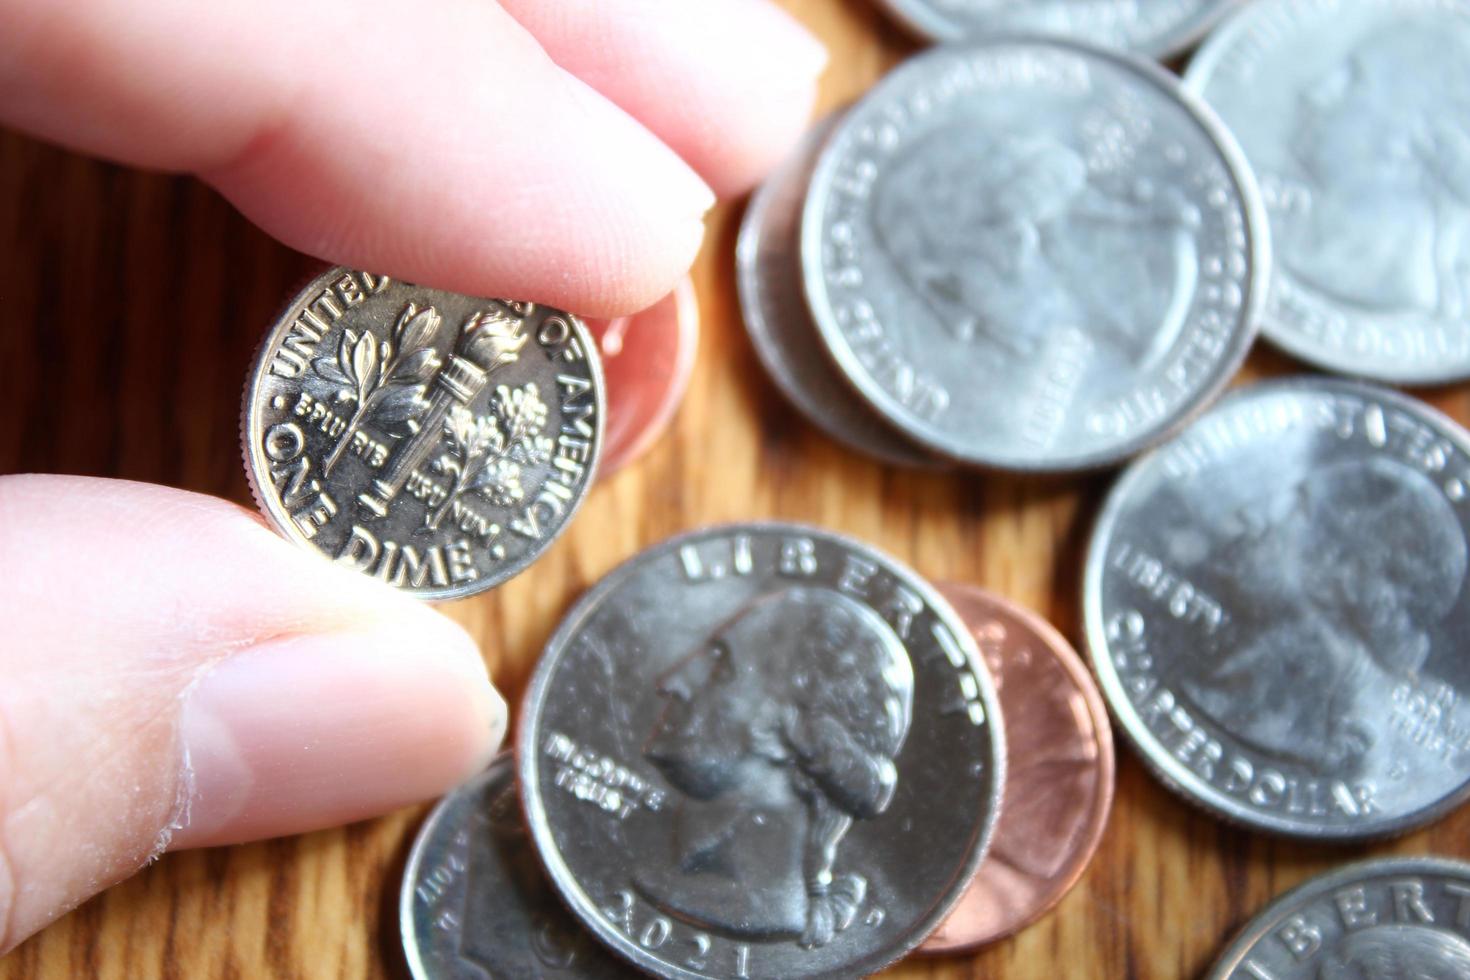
{"points": [[486, 453], [384, 379]]}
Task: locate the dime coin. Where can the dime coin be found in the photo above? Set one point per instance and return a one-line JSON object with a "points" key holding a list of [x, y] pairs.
{"points": [[434, 441], [1363, 156], [1059, 778], [1389, 918], [761, 751], [1158, 28], [475, 903], [1032, 254], [1275, 605], [768, 274], [647, 359]]}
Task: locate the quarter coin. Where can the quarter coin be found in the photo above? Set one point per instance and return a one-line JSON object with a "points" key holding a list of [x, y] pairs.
{"points": [[773, 306], [1275, 606], [761, 751], [475, 903], [1032, 254], [1059, 778], [1393, 917], [434, 441], [1363, 155], [647, 359], [1157, 28]]}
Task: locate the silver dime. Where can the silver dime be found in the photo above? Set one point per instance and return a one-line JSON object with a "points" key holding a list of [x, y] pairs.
{"points": [[1033, 254], [475, 903], [434, 441], [768, 274], [1387, 919], [1275, 605], [761, 751], [1363, 155], [1158, 28]]}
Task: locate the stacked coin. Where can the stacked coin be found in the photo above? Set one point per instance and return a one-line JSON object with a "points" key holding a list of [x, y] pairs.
{"points": [[1021, 253], [766, 750], [434, 441]]}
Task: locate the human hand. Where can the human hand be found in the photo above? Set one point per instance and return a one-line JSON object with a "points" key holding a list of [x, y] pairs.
{"points": [[174, 675]]}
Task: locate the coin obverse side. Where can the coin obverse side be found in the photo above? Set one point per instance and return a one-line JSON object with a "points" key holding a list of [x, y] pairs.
{"points": [[1156, 28], [761, 751], [1275, 606], [1059, 777], [476, 904], [1387, 918], [1363, 157], [773, 307], [434, 441], [1032, 254]]}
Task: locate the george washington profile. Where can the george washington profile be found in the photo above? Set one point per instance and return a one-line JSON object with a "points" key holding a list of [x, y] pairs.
{"points": [[1398, 952], [1008, 239], [780, 731], [1381, 140]]}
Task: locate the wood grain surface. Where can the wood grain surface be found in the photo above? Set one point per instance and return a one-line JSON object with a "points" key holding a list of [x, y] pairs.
{"points": [[131, 305]]}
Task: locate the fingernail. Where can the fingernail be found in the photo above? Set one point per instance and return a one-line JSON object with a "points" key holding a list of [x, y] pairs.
{"points": [[780, 46], [316, 730]]}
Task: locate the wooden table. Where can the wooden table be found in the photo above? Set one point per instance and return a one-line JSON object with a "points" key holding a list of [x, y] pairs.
{"points": [[131, 305]]}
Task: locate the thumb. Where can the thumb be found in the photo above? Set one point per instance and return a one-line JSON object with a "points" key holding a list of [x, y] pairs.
{"points": [[174, 675]]}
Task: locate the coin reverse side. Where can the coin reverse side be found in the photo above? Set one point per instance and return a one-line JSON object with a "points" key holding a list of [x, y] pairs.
{"points": [[761, 751], [1393, 917], [1275, 604], [434, 441], [1363, 155], [475, 903], [1032, 254]]}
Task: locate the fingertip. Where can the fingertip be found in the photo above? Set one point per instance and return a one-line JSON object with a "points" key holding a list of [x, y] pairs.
{"points": [[745, 72], [311, 731]]}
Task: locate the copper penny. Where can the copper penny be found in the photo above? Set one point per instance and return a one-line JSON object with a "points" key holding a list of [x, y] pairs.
{"points": [[646, 361], [1059, 778]]}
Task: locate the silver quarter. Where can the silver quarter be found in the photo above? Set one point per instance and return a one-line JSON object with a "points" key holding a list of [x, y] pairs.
{"points": [[1275, 605], [1033, 254], [1363, 156], [1378, 920], [434, 441], [761, 751], [475, 903], [768, 275], [1157, 28]]}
